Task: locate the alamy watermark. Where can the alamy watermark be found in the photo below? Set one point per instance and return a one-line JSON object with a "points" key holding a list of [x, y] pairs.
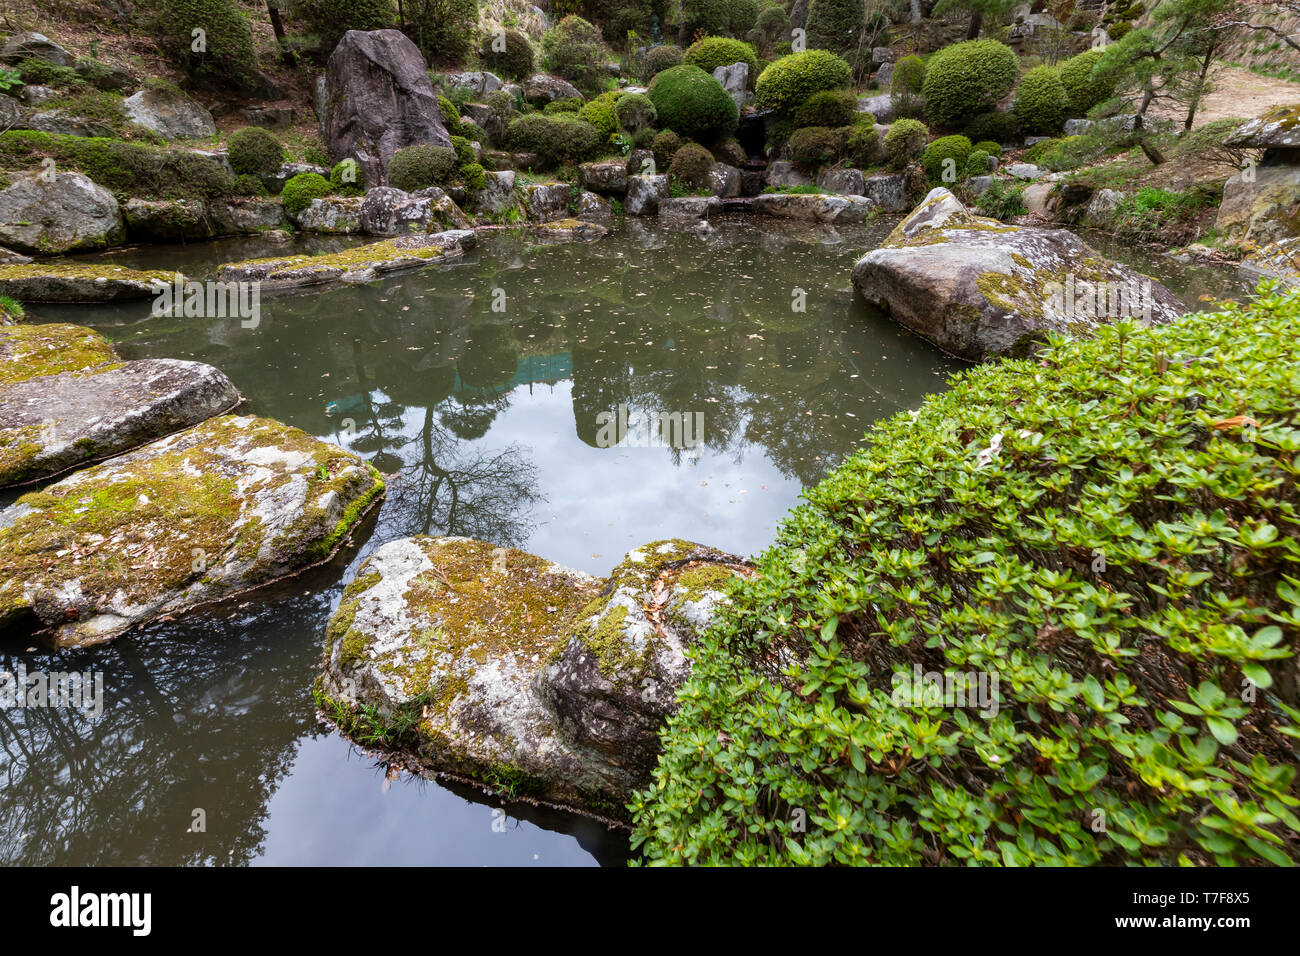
{"points": [[61, 690], [208, 300], [649, 429], [1084, 299]]}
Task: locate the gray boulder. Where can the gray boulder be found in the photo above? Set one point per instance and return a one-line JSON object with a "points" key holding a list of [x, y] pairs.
{"points": [[22, 46], [849, 182], [608, 177], [881, 107], [28, 281], [542, 88], [887, 190], [66, 123], [479, 82], [644, 193], [725, 181], [546, 202], [814, 208], [330, 214], [687, 210], [167, 220], [387, 211], [595, 209], [65, 213], [12, 113], [783, 174], [244, 217], [498, 194], [735, 80], [169, 113]]}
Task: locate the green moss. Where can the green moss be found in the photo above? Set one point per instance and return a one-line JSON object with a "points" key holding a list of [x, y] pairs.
{"points": [[30, 351]]}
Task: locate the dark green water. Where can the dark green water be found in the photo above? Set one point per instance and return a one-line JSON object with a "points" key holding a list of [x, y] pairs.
{"points": [[489, 420]]}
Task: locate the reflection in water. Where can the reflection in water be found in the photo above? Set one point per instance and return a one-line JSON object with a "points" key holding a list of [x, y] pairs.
{"points": [[488, 420]]}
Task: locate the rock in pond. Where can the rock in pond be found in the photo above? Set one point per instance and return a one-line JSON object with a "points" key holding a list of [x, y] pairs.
{"points": [[79, 282], [198, 517], [814, 207], [331, 215], [388, 211], [546, 202], [167, 220], [532, 679], [357, 264], [66, 213], [67, 400], [644, 193], [569, 230], [978, 288]]}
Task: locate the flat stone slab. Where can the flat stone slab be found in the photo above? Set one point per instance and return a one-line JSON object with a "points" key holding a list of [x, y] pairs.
{"points": [[198, 517], [814, 208], [358, 264], [53, 282], [570, 230]]}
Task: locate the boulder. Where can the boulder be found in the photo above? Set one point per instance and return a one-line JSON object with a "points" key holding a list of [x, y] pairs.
{"points": [[595, 209], [881, 107], [387, 211], [54, 418], [37, 94], [202, 515], [268, 117], [166, 220], [542, 88], [77, 282], [498, 195], [882, 54], [245, 217], [687, 210], [641, 162], [735, 80], [849, 182], [609, 177], [1275, 260], [1276, 128], [979, 288], [644, 193], [479, 82], [1041, 199], [725, 181], [546, 202], [1024, 171], [22, 46], [522, 675], [979, 185], [1261, 203], [67, 212], [106, 76], [884, 76], [887, 190], [169, 113], [1076, 127], [1101, 208], [66, 123], [814, 208], [330, 214], [13, 114], [782, 174], [569, 230], [379, 100], [274, 182]]}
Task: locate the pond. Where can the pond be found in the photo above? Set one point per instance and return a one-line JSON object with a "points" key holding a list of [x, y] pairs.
{"points": [[480, 386]]}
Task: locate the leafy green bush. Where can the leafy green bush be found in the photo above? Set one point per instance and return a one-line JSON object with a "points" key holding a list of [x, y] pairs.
{"points": [[1103, 536], [705, 17], [996, 126], [659, 58], [690, 167], [944, 160], [828, 108], [515, 62], [346, 178], [37, 72], [229, 54], [1153, 213], [330, 19], [254, 150], [989, 147], [863, 148], [815, 146], [635, 111], [1041, 101], [977, 163], [709, 53], [692, 103], [572, 49], [300, 190], [772, 22], [599, 112], [1002, 200], [247, 184], [1071, 152], [442, 29], [419, 167], [905, 142], [567, 105], [556, 139], [450, 112], [741, 17], [474, 176], [665, 146], [968, 78], [905, 86], [730, 152], [835, 25], [788, 83], [1083, 90]]}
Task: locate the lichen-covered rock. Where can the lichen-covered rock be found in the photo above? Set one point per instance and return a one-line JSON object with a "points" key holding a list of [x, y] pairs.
{"points": [[498, 195], [330, 214], [66, 123], [542, 88], [500, 667], [687, 210], [1276, 128], [546, 202], [846, 181], [725, 180], [735, 80], [569, 230], [596, 209], [1276, 260], [13, 115], [1261, 203], [274, 182], [607, 176], [644, 193], [66, 400], [169, 113], [811, 207], [478, 82], [977, 287], [200, 516], [166, 220], [66, 212], [244, 217], [880, 106], [782, 174], [388, 211], [21, 46], [887, 190], [357, 264], [79, 282]]}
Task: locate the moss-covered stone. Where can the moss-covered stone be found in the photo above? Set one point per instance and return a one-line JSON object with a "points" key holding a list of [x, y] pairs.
{"points": [[79, 282]]}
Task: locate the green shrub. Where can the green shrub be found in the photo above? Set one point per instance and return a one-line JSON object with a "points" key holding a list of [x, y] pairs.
{"points": [[470, 130], [989, 147], [254, 150], [599, 112], [659, 58], [692, 103], [556, 139], [905, 86], [690, 167], [330, 19], [1002, 200], [442, 29], [515, 62], [1152, 213], [419, 167], [1071, 152], [707, 17], [346, 178], [977, 163], [474, 176], [788, 83], [741, 17], [1083, 90], [450, 113], [572, 49], [772, 22], [1040, 101], [863, 148], [905, 142], [1036, 152], [828, 108], [567, 105], [996, 126], [229, 54], [710, 53], [815, 146], [635, 111], [1122, 564], [731, 153], [300, 190], [835, 25], [246, 184], [944, 160], [968, 78], [37, 72], [665, 146]]}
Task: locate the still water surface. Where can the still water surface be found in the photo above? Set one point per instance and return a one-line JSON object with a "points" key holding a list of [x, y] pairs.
{"points": [[488, 420]]}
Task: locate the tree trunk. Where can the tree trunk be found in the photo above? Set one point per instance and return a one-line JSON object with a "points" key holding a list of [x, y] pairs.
{"points": [[976, 23], [1153, 154], [277, 25], [1198, 89]]}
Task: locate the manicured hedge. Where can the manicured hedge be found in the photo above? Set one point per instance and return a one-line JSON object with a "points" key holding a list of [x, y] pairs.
{"points": [[968, 78], [1041, 101], [788, 83], [692, 103]]}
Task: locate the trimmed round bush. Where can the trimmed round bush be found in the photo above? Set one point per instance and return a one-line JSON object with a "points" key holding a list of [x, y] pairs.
{"points": [[230, 56], [835, 25], [692, 103], [816, 146], [635, 112], [300, 190], [788, 83], [989, 147], [997, 126], [968, 78], [515, 62], [863, 147], [568, 105], [1084, 91], [690, 166], [346, 179], [665, 146], [659, 58], [977, 163], [246, 184], [556, 139], [419, 167], [772, 22], [731, 153], [828, 108], [708, 17], [599, 112], [474, 176], [908, 76], [1106, 596], [710, 53], [572, 49], [254, 150], [905, 142], [450, 113], [944, 160], [1041, 101]]}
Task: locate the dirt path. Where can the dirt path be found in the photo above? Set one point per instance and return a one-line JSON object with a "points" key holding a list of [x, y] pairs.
{"points": [[1236, 92]]}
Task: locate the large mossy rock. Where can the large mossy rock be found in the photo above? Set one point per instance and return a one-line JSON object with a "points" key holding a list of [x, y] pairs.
{"points": [[388, 211], [66, 400], [529, 678], [65, 213], [1262, 202], [170, 113], [979, 288], [379, 100], [79, 282], [194, 518]]}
